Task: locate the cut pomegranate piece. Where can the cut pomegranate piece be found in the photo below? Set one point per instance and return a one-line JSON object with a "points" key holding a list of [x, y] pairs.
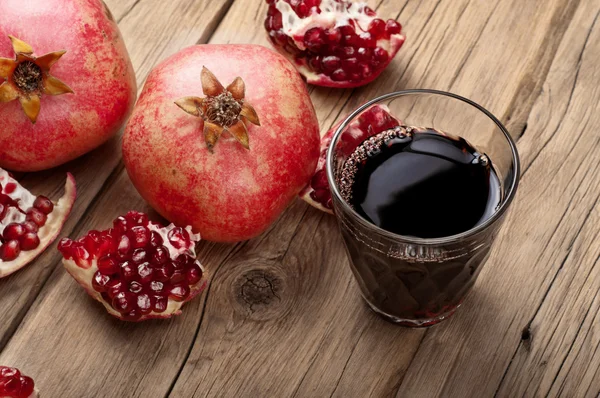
{"points": [[138, 269], [333, 43], [372, 121], [28, 224], [13, 384]]}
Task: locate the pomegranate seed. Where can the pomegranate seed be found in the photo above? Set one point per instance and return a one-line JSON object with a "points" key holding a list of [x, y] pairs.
{"points": [[333, 36], [160, 256], [139, 256], [144, 304], [135, 287], [321, 195], [120, 225], [164, 273], [10, 250], [331, 63], [2, 213], [156, 287], [100, 282], [13, 231], [179, 238], [365, 54], [132, 315], [366, 70], [339, 75], [124, 247], [6, 372], [319, 180], [10, 188], [179, 292], [43, 204], [369, 11], [36, 216], [160, 304], [89, 244], [30, 241], [355, 77], [113, 288], [107, 245], [193, 275], [302, 10], [11, 387], [348, 52], [128, 271], [155, 239], [124, 302], [377, 27], [27, 386], [315, 63], [178, 276], [182, 261], [137, 218], [350, 64], [314, 39], [65, 246], [30, 226], [380, 55], [139, 236], [367, 40], [108, 265], [145, 272], [393, 27]]}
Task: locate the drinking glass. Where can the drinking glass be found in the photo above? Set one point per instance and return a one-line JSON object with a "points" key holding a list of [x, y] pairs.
{"points": [[414, 281]]}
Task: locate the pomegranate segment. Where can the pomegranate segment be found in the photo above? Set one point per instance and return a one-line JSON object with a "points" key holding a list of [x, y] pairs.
{"points": [[333, 43], [137, 269], [372, 121], [28, 224], [13, 384]]}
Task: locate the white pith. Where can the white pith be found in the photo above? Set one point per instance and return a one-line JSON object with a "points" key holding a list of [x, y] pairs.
{"points": [[84, 274], [48, 232]]}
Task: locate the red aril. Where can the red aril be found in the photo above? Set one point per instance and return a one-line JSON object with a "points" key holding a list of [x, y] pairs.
{"points": [[66, 82], [372, 121], [25, 230], [334, 43], [13, 384], [140, 284]]}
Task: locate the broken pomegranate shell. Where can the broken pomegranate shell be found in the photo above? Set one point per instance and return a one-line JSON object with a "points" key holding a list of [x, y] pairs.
{"points": [[28, 224], [372, 121], [13, 384], [333, 43], [137, 269]]}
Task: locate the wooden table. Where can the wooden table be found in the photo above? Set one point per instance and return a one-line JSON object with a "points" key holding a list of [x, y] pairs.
{"points": [[282, 316]]}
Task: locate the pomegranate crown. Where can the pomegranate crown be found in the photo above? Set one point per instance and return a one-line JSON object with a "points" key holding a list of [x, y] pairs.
{"points": [[222, 109], [27, 77]]}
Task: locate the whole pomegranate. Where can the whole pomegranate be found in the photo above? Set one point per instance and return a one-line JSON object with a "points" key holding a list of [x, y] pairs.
{"points": [[28, 223], [66, 82], [13, 384], [230, 162], [334, 43], [137, 269], [371, 121]]}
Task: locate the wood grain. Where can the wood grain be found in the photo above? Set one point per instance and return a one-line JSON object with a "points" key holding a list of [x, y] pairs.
{"points": [[282, 315]]}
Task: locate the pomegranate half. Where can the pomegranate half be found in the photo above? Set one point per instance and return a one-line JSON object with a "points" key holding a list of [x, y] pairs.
{"points": [[371, 121], [13, 384], [66, 82], [224, 152], [28, 224], [137, 269], [333, 43]]}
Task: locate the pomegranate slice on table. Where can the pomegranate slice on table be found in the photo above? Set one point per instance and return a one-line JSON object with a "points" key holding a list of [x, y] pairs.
{"points": [[13, 384], [28, 224], [333, 43], [371, 121], [137, 269]]}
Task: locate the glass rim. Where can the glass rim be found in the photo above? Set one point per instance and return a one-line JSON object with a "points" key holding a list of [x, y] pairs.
{"points": [[414, 240]]}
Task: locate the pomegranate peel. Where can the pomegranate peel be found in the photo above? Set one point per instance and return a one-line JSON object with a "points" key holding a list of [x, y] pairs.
{"points": [[25, 231], [138, 269], [28, 77], [223, 109], [333, 43], [371, 121], [13, 384]]}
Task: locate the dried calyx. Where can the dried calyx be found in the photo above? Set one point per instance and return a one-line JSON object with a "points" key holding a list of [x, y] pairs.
{"points": [[27, 78], [222, 109]]}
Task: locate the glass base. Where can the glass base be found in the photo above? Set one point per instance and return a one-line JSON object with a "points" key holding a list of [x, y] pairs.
{"points": [[412, 323]]}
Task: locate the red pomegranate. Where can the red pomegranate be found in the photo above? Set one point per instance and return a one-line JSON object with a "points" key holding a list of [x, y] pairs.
{"points": [[15, 385], [28, 224], [66, 82], [333, 43], [137, 269], [372, 121], [228, 163]]}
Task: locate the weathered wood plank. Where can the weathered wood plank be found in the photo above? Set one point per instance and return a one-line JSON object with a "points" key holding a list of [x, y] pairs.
{"points": [[538, 291]]}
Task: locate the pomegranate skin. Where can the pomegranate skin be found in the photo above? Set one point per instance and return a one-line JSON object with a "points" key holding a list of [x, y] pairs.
{"points": [[232, 194], [96, 66]]}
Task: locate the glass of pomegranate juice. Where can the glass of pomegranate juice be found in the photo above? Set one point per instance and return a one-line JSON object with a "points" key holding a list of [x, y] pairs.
{"points": [[420, 183]]}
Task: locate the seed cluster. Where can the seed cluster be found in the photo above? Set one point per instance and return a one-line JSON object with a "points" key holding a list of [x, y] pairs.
{"points": [[21, 236], [13, 384], [28, 77], [136, 273]]}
